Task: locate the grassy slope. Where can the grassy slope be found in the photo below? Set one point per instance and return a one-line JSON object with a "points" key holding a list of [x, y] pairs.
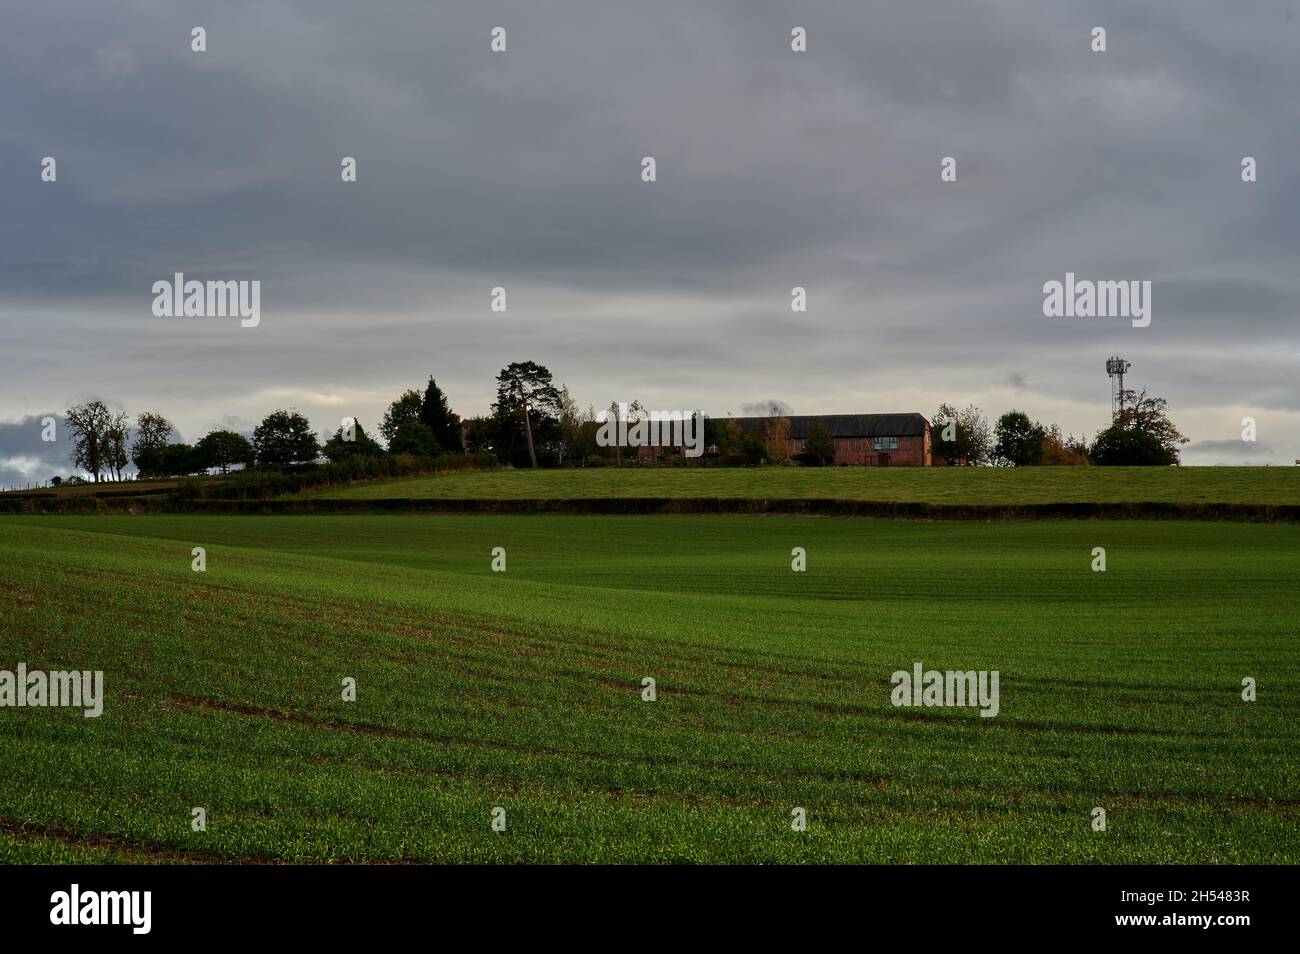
{"points": [[956, 485], [521, 689]]}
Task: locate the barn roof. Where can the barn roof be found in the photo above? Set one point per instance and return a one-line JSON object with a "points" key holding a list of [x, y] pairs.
{"points": [[846, 425]]}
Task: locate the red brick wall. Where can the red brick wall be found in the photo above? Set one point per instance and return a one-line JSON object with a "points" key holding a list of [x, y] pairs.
{"points": [[912, 451], [861, 451]]}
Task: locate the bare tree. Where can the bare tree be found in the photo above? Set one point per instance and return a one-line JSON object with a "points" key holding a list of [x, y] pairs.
{"points": [[571, 422], [613, 413], [116, 436], [89, 424], [630, 414]]}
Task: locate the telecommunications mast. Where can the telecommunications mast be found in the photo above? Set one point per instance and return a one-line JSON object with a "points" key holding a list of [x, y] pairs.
{"points": [[1116, 367]]}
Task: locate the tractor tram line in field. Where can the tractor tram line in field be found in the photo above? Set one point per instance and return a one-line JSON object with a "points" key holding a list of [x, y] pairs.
{"points": [[380, 688]]}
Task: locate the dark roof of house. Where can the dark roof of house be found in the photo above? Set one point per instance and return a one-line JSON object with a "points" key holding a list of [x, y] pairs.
{"points": [[846, 425]]}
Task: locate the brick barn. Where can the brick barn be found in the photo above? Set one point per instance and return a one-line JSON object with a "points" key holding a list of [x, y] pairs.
{"points": [[871, 440]]}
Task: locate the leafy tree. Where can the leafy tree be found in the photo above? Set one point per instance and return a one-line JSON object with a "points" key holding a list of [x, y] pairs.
{"points": [[285, 437], [177, 460], [723, 433], [361, 445], [479, 434], [1142, 434], [1020, 440], [971, 436], [527, 399], [152, 432], [223, 449], [1115, 446], [945, 434], [405, 410], [776, 433], [1059, 451], [1150, 415], [89, 424], [753, 446], [412, 437], [436, 414], [819, 446]]}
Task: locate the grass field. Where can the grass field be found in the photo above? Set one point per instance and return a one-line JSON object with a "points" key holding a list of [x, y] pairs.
{"points": [[940, 485], [522, 689]]}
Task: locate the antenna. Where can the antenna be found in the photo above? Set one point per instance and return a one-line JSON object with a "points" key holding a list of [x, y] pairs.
{"points": [[1116, 367]]}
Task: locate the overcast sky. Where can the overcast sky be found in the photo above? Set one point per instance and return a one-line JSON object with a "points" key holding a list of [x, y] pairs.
{"points": [[523, 169]]}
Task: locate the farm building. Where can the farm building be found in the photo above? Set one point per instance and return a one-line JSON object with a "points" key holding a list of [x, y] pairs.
{"points": [[872, 440]]}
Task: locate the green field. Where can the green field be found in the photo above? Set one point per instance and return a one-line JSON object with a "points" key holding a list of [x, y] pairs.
{"points": [[940, 485], [522, 689]]}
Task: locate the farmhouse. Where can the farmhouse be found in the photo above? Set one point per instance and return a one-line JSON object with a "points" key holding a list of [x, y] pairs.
{"points": [[872, 440]]}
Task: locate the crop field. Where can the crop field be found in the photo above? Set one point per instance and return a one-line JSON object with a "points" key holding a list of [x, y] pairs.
{"points": [[522, 690], [939, 485]]}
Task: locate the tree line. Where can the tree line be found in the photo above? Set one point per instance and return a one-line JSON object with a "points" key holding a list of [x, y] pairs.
{"points": [[103, 441], [534, 422], [1141, 434]]}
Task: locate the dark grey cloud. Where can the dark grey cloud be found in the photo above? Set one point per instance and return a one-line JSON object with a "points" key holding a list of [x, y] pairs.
{"points": [[26, 458], [775, 169]]}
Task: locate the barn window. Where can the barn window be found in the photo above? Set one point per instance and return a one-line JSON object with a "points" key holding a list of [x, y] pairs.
{"points": [[886, 443]]}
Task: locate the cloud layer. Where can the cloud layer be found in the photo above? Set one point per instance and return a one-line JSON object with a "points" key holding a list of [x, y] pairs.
{"points": [[775, 169]]}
